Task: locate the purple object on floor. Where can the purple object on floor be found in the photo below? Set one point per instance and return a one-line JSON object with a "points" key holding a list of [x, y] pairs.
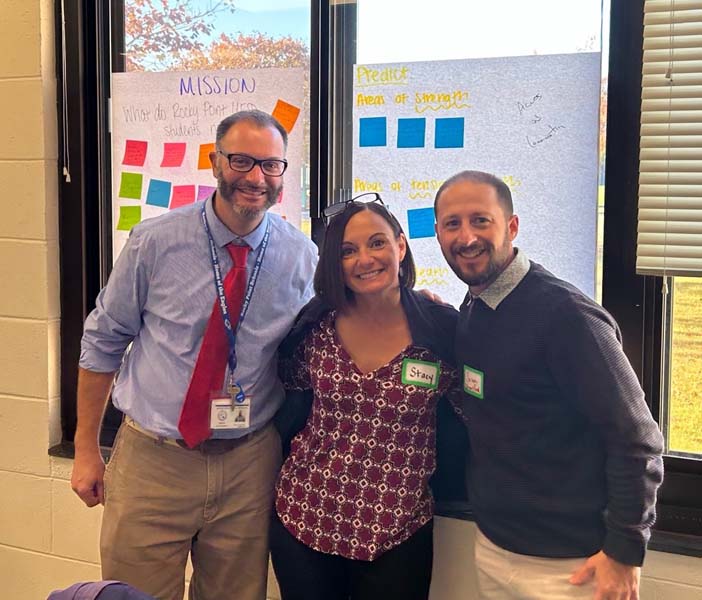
{"points": [[99, 590]]}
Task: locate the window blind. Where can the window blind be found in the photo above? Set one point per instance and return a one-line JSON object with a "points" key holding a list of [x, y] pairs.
{"points": [[670, 161]]}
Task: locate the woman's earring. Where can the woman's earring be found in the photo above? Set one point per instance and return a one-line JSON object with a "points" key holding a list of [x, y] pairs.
{"points": [[402, 271]]}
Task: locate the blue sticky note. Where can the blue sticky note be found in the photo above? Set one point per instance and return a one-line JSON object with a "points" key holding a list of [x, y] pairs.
{"points": [[421, 222], [373, 131], [410, 133], [448, 133], [159, 193]]}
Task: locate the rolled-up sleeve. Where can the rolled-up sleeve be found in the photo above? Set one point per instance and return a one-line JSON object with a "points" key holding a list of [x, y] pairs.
{"points": [[117, 317]]}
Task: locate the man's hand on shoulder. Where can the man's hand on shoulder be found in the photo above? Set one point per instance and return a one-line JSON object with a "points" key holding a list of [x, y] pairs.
{"points": [[87, 477], [613, 580], [429, 295]]}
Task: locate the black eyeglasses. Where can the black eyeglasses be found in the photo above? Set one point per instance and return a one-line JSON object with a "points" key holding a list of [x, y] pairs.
{"points": [[339, 207], [243, 163]]}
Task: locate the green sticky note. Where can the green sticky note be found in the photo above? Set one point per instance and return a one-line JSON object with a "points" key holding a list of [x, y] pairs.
{"points": [[128, 217], [130, 186]]}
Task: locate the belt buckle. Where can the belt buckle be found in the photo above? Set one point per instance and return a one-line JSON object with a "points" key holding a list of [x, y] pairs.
{"points": [[217, 446]]}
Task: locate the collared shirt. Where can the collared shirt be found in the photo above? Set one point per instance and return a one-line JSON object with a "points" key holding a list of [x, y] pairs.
{"points": [[506, 281], [159, 298]]}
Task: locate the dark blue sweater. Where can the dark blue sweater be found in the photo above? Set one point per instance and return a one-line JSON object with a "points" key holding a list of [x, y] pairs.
{"points": [[565, 456]]}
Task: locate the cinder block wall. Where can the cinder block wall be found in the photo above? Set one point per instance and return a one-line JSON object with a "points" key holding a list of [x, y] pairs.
{"points": [[48, 540]]}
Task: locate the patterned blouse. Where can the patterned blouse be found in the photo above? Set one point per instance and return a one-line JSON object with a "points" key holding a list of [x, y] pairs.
{"points": [[356, 481]]}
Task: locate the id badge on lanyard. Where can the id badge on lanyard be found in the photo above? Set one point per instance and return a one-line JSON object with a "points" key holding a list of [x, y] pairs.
{"points": [[233, 410]]}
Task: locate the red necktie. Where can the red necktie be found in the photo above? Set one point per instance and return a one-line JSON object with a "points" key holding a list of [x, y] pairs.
{"points": [[208, 374]]}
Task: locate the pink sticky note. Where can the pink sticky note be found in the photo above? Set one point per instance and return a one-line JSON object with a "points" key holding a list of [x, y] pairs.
{"points": [[135, 153], [182, 195], [204, 192], [173, 154]]}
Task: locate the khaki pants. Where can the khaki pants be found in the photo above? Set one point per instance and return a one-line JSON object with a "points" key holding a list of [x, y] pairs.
{"points": [[504, 575], [163, 502]]}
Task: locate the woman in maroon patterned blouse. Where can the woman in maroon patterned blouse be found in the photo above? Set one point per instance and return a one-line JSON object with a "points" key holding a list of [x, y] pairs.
{"points": [[353, 506]]}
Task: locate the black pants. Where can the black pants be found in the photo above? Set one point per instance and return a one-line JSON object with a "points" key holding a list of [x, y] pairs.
{"points": [[403, 573]]}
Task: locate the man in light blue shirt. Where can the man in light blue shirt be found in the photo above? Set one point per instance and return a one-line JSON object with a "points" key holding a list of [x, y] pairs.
{"points": [[162, 499]]}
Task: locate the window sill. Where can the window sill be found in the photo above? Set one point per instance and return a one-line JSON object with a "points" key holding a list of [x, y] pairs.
{"points": [[661, 541], [67, 450], [676, 543]]}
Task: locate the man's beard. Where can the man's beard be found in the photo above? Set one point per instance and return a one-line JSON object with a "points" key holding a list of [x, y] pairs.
{"points": [[497, 261], [228, 193]]}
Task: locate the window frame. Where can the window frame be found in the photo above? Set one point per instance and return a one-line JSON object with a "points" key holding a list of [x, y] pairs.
{"points": [[634, 300], [81, 235]]}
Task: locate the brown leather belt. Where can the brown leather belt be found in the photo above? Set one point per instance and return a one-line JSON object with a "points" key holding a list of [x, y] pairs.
{"points": [[211, 446]]}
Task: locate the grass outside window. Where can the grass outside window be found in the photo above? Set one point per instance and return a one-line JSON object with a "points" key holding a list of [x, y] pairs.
{"points": [[685, 399]]}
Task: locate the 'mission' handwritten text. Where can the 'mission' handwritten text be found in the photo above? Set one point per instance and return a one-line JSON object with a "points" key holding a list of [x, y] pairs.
{"points": [[209, 85]]}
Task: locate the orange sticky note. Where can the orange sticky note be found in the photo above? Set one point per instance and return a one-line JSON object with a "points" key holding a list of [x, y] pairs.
{"points": [[203, 161], [286, 114]]}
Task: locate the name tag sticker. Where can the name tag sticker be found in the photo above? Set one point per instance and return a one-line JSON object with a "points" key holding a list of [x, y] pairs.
{"points": [[473, 381], [225, 416], [420, 373]]}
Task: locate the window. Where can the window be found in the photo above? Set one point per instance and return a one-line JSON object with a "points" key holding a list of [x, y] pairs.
{"points": [[211, 36], [634, 300], [660, 338], [670, 210], [683, 425], [423, 59], [151, 37], [669, 248], [637, 301], [525, 91], [82, 78]]}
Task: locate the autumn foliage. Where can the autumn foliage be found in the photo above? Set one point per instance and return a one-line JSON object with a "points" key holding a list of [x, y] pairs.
{"points": [[162, 35], [246, 51]]}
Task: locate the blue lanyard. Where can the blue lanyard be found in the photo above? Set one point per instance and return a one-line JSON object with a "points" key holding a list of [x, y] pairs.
{"points": [[235, 388]]}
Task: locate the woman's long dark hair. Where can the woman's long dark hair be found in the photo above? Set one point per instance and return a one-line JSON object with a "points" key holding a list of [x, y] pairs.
{"points": [[329, 276]]}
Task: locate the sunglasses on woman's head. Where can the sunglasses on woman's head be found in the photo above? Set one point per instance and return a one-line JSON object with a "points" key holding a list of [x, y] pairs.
{"points": [[365, 198]]}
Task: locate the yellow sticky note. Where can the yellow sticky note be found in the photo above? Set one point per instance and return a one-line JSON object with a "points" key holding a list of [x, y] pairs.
{"points": [[286, 114], [128, 217], [203, 161]]}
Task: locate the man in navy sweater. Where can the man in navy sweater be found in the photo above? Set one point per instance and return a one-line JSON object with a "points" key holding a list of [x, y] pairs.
{"points": [[565, 457]]}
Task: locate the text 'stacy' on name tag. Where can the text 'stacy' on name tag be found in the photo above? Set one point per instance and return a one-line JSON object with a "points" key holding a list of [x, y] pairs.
{"points": [[421, 373]]}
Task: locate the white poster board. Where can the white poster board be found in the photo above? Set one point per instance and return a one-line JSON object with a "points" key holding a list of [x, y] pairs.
{"points": [[163, 128], [531, 120]]}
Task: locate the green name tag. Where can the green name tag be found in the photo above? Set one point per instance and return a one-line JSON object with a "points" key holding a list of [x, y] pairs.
{"points": [[420, 373], [473, 381]]}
